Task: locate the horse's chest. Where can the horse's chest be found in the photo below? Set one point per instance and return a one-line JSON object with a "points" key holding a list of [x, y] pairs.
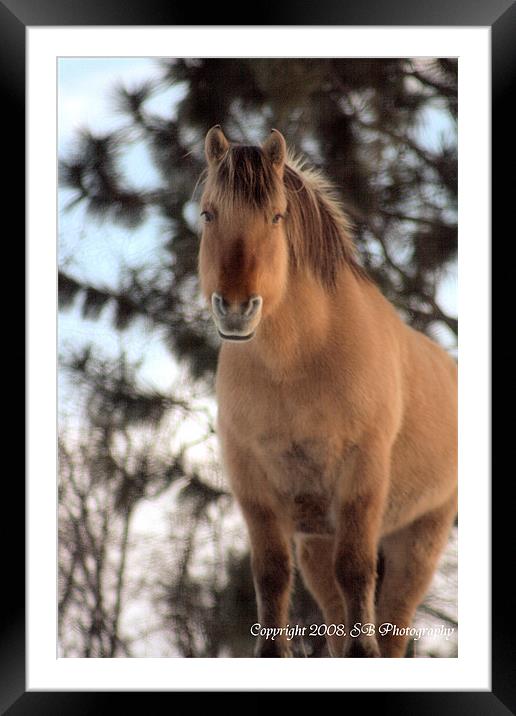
{"points": [[299, 464], [300, 447], [303, 473]]}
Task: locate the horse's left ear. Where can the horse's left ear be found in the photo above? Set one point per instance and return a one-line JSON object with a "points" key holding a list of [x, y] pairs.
{"points": [[275, 148]]}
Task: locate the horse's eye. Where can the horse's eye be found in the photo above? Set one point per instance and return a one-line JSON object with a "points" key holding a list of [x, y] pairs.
{"points": [[277, 218], [208, 216]]}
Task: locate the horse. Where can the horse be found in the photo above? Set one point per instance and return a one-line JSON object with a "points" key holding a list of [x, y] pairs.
{"points": [[337, 421]]}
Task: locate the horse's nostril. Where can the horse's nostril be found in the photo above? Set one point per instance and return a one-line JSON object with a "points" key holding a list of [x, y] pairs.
{"points": [[252, 307], [219, 305]]}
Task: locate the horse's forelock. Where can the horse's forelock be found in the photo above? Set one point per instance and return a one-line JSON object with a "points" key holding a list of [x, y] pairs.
{"points": [[245, 176]]}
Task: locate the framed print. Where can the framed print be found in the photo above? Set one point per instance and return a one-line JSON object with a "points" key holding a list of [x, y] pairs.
{"points": [[138, 571]]}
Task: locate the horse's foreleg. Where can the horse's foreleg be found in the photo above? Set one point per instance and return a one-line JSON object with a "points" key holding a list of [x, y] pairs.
{"points": [[356, 547], [315, 557], [411, 557], [271, 548], [272, 572]]}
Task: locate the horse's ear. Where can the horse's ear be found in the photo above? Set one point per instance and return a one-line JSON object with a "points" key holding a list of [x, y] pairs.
{"points": [[275, 148], [215, 145]]}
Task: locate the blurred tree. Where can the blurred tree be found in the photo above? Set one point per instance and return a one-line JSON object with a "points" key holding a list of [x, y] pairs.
{"points": [[364, 122]]}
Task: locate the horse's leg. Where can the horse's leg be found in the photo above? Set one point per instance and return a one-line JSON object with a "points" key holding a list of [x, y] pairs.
{"points": [[411, 557], [271, 559], [315, 558], [271, 545], [356, 545]]}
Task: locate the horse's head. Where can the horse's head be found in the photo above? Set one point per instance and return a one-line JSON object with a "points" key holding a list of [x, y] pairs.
{"points": [[244, 256]]}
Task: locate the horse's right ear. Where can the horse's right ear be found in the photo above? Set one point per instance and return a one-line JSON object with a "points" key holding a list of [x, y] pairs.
{"points": [[215, 145]]}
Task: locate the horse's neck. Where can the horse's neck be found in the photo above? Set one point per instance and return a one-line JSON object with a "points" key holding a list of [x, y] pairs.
{"points": [[299, 331]]}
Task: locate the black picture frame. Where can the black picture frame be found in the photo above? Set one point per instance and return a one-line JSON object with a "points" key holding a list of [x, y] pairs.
{"points": [[15, 17]]}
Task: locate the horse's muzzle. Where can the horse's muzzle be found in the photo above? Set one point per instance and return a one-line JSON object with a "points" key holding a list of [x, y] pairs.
{"points": [[236, 321]]}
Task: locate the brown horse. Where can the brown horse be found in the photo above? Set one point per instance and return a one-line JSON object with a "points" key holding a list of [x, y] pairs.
{"points": [[337, 421]]}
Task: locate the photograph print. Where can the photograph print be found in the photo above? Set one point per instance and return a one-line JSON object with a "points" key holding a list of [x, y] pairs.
{"points": [[257, 429]]}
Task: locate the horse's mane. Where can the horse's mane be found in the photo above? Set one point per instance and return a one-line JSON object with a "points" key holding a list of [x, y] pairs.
{"points": [[317, 228]]}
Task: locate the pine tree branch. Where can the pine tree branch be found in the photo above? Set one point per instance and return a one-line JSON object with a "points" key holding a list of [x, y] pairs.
{"points": [[438, 614], [438, 313], [434, 223], [117, 608], [440, 89]]}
